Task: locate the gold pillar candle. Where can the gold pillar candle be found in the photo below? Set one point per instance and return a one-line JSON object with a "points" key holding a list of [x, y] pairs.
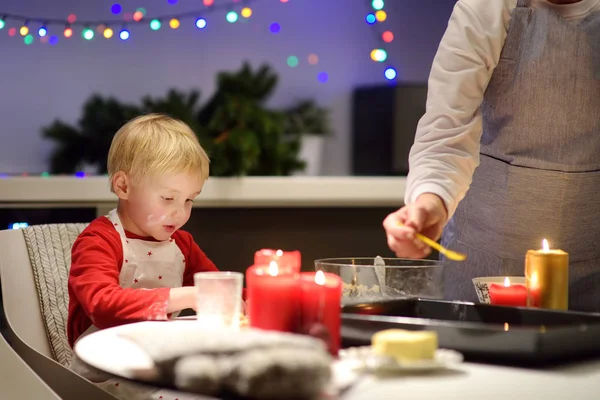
{"points": [[547, 278]]}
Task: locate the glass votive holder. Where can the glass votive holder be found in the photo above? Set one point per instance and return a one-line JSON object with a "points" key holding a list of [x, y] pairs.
{"points": [[219, 299]]}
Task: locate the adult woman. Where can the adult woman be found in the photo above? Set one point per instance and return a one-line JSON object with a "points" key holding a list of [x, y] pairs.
{"points": [[508, 151]]}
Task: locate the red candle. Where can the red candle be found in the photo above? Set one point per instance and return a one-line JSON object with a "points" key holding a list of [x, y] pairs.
{"points": [[291, 259], [273, 298], [321, 307], [508, 295]]}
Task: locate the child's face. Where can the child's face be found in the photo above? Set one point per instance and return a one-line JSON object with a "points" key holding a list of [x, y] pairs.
{"points": [[160, 206]]}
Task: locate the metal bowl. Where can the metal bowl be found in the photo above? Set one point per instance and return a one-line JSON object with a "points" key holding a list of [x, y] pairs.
{"points": [[366, 279]]}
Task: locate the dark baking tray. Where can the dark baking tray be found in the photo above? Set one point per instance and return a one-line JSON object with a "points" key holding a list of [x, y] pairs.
{"points": [[481, 332]]}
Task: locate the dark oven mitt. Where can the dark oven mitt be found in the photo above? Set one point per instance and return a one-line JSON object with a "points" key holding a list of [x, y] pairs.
{"points": [[249, 363]]}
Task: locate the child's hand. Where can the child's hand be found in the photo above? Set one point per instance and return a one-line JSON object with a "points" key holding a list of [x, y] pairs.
{"points": [[181, 298], [427, 215]]}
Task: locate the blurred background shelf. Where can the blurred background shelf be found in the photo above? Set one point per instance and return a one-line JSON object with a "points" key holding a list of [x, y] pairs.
{"points": [[234, 217]]}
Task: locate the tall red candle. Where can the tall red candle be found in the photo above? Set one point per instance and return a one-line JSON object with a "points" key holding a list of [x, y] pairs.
{"points": [[291, 259], [508, 295], [321, 307], [273, 298]]}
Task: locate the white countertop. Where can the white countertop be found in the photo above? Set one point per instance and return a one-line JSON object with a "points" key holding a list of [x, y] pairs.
{"points": [[218, 192], [486, 382]]}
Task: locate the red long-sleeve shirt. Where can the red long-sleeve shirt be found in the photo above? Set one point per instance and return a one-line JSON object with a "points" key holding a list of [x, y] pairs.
{"points": [[95, 296]]}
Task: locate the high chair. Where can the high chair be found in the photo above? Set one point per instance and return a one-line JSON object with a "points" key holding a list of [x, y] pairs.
{"points": [[17, 380], [34, 268]]}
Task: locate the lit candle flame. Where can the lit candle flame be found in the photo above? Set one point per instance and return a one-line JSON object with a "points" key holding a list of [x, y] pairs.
{"points": [[506, 327], [279, 253], [320, 278], [273, 268], [506, 282], [545, 245]]}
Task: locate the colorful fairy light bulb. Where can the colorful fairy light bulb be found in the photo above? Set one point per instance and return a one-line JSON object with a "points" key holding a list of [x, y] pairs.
{"points": [[378, 55], [390, 73], [275, 27], [200, 23], [387, 36], [377, 4], [381, 15], [28, 39], [42, 31], [137, 16], [108, 33], [87, 34], [231, 17], [2, 24], [155, 24], [124, 34], [174, 23], [72, 18], [246, 12], [209, 3], [68, 32], [24, 30]]}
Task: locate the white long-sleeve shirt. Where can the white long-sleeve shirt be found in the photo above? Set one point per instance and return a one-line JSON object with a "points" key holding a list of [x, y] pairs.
{"points": [[447, 142]]}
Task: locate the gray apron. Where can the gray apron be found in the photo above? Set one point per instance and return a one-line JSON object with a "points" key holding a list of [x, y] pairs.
{"points": [[539, 174]]}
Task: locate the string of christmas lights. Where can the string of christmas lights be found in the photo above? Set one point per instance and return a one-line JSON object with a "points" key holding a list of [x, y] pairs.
{"points": [[105, 27], [376, 18]]}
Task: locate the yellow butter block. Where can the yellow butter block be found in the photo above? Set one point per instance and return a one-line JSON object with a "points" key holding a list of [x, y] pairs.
{"points": [[405, 345]]}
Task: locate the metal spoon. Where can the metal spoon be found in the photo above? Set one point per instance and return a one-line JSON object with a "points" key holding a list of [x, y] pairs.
{"points": [[379, 266]]}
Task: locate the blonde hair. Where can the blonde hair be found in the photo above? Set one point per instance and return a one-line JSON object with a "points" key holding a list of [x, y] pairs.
{"points": [[153, 145]]}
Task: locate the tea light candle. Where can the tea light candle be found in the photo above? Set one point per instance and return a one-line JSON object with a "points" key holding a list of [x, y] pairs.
{"points": [[284, 259], [547, 277], [274, 298], [508, 295], [321, 307]]}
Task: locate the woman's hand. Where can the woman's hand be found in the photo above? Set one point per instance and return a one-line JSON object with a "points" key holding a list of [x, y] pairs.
{"points": [[427, 216]]}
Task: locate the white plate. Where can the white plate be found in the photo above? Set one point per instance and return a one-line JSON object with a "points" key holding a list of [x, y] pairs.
{"points": [[444, 358]]}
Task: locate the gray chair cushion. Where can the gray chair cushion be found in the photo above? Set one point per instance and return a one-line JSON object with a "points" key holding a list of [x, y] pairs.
{"points": [[49, 248]]}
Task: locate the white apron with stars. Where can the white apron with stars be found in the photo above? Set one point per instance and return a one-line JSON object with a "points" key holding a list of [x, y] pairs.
{"points": [[146, 265]]}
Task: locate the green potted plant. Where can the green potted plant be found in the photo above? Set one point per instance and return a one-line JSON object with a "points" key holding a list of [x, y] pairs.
{"points": [[248, 138], [310, 122], [241, 135], [86, 145]]}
